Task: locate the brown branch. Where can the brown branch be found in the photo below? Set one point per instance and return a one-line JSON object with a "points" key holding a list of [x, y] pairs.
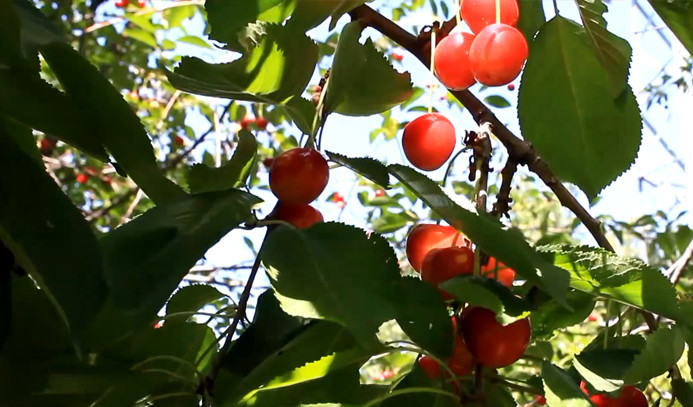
{"points": [[503, 200], [516, 147]]}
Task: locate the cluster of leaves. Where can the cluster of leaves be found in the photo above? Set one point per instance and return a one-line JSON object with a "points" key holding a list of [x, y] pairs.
{"points": [[82, 304]]}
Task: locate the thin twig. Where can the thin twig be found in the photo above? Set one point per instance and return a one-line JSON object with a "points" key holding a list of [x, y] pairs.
{"points": [[481, 113], [502, 205]]}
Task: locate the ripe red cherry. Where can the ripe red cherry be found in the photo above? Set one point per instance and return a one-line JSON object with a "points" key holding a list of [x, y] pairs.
{"points": [[430, 366], [425, 237], [397, 56], [301, 216], [539, 400], [261, 123], [496, 269], [442, 264], [379, 192], [498, 54], [179, 141], [461, 362], [511, 87], [428, 141], [82, 178], [493, 344], [122, 3], [141, 3], [630, 396], [298, 176], [246, 122], [479, 14], [452, 61]]}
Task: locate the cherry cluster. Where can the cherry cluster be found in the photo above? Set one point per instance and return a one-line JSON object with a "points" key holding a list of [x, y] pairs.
{"points": [[493, 55], [125, 3], [259, 123], [440, 253], [297, 177]]}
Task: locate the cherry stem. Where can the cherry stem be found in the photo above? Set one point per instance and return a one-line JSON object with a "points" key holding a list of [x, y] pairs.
{"points": [[458, 10], [448, 170], [433, 75], [498, 15]]}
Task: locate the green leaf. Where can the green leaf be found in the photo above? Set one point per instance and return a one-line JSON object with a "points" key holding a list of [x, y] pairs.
{"points": [[362, 82], [531, 17], [228, 18], [194, 40], [678, 16], [508, 246], [589, 121], [560, 389], [604, 369], [551, 316], [344, 7], [52, 242], [418, 379], [143, 36], [613, 51], [191, 299], [232, 174], [112, 120], [23, 137], [497, 101], [470, 289], [367, 167], [683, 391], [338, 272], [147, 257], [663, 349]]}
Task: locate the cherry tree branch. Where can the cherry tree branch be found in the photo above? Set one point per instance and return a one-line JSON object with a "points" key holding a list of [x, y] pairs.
{"points": [[518, 148], [502, 205]]}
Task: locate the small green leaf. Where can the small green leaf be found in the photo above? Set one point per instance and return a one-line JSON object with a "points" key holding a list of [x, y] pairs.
{"points": [[338, 272], [678, 16], [143, 36], [232, 174], [367, 167], [551, 316], [194, 40], [112, 120], [508, 246], [147, 257], [604, 368], [418, 379], [561, 390], [191, 299], [497, 101], [52, 242], [683, 391], [470, 289], [362, 82], [613, 51], [588, 120], [663, 349], [531, 17]]}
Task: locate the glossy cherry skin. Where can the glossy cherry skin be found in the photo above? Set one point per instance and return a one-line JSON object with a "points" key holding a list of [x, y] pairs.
{"points": [[261, 123], [426, 237], [496, 269], [478, 14], [630, 396], [301, 216], [461, 362], [298, 176], [452, 61], [498, 54], [494, 345], [428, 141], [430, 366], [122, 3], [246, 122], [442, 264]]}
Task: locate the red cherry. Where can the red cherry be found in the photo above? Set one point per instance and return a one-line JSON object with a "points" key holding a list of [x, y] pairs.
{"points": [[442, 264], [428, 141], [496, 269], [141, 3], [452, 61], [539, 400], [583, 387], [267, 162], [397, 56], [82, 178], [301, 216], [498, 54], [387, 374], [511, 86], [479, 14], [631, 396], [298, 176], [602, 400], [493, 344], [122, 3], [430, 366], [379, 192], [593, 318], [461, 362], [337, 197], [425, 237], [261, 123], [179, 141], [247, 122], [134, 95]]}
